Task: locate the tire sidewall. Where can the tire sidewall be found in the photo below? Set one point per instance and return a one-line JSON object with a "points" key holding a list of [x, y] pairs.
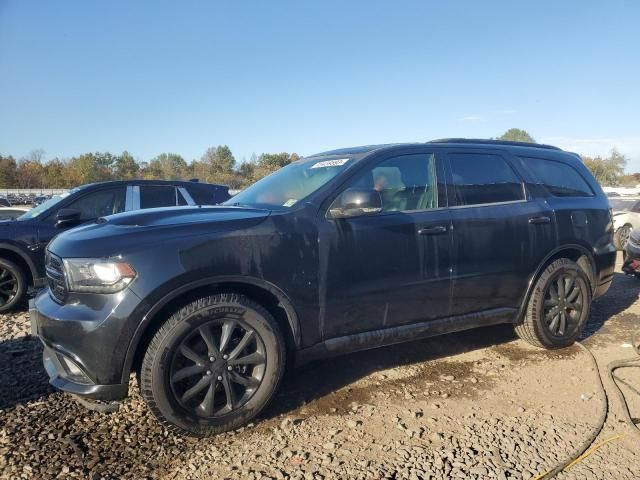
{"points": [[161, 364], [22, 284], [536, 303]]}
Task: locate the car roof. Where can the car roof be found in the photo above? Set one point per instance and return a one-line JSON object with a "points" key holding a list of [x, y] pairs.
{"points": [[446, 142], [148, 182]]}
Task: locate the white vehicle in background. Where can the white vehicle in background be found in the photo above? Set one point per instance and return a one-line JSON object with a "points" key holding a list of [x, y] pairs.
{"points": [[626, 217], [11, 213]]}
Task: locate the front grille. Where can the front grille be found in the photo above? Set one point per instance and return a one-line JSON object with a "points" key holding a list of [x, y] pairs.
{"points": [[55, 276]]}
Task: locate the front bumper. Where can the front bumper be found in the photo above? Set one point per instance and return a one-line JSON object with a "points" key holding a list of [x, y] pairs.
{"points": [[85, 342]]}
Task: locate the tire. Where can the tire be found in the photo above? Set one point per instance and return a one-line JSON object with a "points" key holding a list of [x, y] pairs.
{"points": [[13, 285], [540, 326], [621, 237], [197, 379]]}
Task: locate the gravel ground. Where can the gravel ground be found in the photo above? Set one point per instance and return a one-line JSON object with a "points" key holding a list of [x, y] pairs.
{"points": [[477, 404]]}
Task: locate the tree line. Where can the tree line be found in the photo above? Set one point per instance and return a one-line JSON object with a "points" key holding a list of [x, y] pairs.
{"points": [[217, 165]]}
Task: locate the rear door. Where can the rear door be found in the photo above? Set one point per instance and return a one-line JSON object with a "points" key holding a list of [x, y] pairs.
{"points": [[500, 232]]}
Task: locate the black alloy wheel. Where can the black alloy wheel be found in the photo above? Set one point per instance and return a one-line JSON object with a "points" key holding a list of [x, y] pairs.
{"points": [[9, 285], [563, 304], [217, 368], [213, 365], [558, 306]]}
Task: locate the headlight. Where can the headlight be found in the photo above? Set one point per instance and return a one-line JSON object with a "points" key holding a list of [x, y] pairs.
{"points": [[97, 275]]}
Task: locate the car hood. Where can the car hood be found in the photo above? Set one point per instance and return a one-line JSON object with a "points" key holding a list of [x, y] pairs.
{"points": [[119, 233], [172, 216]]}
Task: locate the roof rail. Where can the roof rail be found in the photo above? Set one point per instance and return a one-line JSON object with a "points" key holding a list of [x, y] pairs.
{"points": [[483, 141]]}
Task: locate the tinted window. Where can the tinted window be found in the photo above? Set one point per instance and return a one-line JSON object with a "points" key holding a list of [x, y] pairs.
{"points": [[561, 180], [406, 182], [100, 203], [207, 194], [480, 178], [152, 196]]}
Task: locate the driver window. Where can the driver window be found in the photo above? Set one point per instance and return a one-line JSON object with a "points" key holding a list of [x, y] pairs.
{"points": [[405, 183], [100, 203]]}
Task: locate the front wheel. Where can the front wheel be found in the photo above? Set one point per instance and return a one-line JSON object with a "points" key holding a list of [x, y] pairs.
{"points": [[558, 307], [213, 366]]}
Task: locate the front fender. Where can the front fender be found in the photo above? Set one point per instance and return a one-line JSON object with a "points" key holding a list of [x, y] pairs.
{"points": [[169, 292]]}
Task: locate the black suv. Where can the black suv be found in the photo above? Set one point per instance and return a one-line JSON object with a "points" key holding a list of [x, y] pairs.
{"points": [[341, 251], [23, 241]]}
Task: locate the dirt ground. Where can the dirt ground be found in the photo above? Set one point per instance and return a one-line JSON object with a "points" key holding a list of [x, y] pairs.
{"points": [[477, 404]]}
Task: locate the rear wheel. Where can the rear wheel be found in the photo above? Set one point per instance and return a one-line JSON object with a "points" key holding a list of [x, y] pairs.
{"points": [[558, 307], [213, 366], [621, 237], [13, 285]]}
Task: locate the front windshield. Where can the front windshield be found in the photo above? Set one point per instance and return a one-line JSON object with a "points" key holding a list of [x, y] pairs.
{"points": [[286, 187], [44, 206]]}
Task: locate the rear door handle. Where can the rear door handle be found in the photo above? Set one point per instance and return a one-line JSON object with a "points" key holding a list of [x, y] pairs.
{"points": [[438, 229], [539, 220]]}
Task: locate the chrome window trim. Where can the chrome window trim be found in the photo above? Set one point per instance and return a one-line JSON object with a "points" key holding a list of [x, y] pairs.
{"points": [[186, 196]]}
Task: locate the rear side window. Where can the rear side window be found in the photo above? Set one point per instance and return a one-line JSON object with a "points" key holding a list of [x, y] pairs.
{"points": [[208, 195], [561, 180], [152, 196], [481, 178]]}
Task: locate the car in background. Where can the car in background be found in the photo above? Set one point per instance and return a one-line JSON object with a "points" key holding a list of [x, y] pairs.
{"points": [[40, 199], [626, 218], [4, 202], [11, 213], [23, 240]]}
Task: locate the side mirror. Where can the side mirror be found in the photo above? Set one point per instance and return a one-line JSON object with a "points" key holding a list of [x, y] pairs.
{"points": [[355, 202], [67, 217]]}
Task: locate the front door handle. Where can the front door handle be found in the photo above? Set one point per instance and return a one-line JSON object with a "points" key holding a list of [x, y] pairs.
{"points": [[539, 220], [438, 229]]}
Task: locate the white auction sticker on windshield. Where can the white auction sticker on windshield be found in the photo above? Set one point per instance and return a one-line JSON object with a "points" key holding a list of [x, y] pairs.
{"points": [[331, 163]]}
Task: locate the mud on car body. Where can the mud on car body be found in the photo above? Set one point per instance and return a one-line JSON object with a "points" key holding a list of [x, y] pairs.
{"points": [[341, 251]]}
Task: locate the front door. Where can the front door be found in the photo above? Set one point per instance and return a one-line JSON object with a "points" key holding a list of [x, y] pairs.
{"points": [[393, 267]]}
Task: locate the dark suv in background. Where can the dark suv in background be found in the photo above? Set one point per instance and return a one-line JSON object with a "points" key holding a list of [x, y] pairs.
{"points": [[341, 251], [23, 240]]}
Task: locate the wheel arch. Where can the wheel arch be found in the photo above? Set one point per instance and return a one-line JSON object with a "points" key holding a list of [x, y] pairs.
{"points": [[262, 292], [578, 253], [14, 254]]}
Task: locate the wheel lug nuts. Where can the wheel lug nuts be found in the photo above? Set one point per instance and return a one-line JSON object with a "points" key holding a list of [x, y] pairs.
{"points": [[219, 377], [225, 356], [229, 368], [208, 372], [212, 359]]}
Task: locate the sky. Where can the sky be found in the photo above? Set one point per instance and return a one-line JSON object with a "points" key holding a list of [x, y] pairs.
{"points": [[301, 76]]}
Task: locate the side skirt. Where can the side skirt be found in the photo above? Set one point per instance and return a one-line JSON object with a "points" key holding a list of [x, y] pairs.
{"points": [[404, 333]]}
